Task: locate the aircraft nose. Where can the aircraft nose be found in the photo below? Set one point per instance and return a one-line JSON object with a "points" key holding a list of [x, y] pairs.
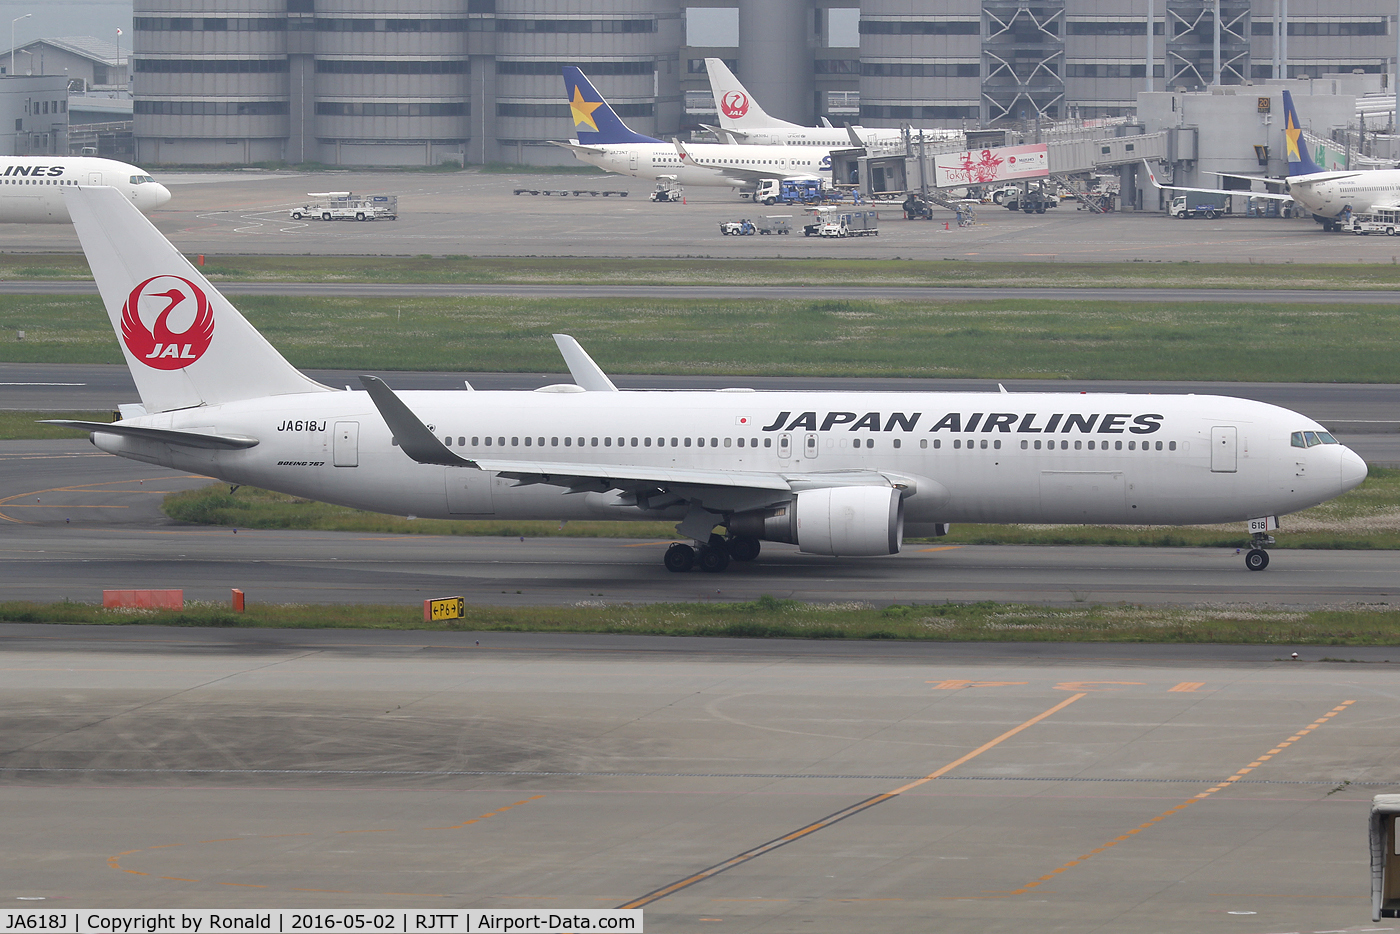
{"points": [[1353, 469], [162, 194]]}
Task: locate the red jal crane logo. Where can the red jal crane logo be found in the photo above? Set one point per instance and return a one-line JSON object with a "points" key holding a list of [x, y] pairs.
{"points": [[172, 301], [735, 104]]}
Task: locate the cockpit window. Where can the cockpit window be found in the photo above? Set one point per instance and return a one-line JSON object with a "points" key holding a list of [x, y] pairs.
{"points": [[1312, 438], [1327, 438], [1296, 439], [141, 179]]}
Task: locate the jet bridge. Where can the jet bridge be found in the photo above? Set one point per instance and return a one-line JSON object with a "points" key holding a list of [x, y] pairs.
{"points": [[896, 171]]}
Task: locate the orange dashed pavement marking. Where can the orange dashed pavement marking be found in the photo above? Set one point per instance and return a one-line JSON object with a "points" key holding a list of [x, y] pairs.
{"points": [[830, 819], [1186, 687], [1147, 825], [958, 685], [114, 862], [941, 548]]}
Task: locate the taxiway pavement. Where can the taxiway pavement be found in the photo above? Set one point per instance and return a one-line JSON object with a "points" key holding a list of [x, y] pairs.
{"points": [[880, 787]]}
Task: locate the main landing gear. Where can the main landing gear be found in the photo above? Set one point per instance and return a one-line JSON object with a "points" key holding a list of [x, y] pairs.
{"points": [[713, 556]]}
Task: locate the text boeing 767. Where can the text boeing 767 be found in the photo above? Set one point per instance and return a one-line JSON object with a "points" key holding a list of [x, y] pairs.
{"points": [[836, 473]]}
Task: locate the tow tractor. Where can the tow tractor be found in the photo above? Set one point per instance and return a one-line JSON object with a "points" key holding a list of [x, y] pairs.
{"points": [[345, 205], [739, 228]]}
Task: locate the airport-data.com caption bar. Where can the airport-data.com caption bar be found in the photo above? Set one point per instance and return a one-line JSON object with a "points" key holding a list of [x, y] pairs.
{"points": [[209, 921]]}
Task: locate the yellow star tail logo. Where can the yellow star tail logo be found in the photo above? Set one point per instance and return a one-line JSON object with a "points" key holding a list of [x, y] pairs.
{"points": [[1291, 134], [583, 110]]}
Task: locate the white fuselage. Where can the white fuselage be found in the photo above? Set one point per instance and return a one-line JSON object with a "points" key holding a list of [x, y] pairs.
{"points": [[824, 137], [710, 163], [1329, 196], [969, 457], [31, 187]]}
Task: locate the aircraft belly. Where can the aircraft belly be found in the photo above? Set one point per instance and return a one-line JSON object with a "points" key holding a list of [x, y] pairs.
{"points": [[31, 209]]}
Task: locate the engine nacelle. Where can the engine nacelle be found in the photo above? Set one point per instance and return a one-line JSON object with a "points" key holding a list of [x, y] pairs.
{"points": [[846, 521]]}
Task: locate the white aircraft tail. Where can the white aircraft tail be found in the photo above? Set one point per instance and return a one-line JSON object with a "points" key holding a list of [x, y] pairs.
{"points": [[737, 109], [185, 344]]}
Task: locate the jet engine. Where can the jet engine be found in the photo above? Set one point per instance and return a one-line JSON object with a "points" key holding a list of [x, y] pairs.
{"points": [[845, 521]]}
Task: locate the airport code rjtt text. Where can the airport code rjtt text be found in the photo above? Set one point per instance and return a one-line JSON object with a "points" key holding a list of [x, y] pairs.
{"points": [[201, 921]]}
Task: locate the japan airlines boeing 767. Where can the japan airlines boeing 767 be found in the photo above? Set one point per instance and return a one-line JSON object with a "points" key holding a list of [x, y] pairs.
{"points": [[31, 187], [836, 473]]}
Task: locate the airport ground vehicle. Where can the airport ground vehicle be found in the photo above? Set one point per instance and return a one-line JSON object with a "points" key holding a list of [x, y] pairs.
{"points": [[789, 191], [774, 224], [1384, 222], [345, 205], [916, 208], [837, 473], [1184, 209], [1034, 200], [740, 228], [667, 190], [836, 222]]}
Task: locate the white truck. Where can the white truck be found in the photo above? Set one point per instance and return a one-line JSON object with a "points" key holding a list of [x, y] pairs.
{"points": [[346, 205], [840, 222], [1380, 221]]}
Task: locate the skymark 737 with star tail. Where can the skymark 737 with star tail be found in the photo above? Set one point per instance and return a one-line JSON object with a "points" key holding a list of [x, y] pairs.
{"points": [[605, 141], [835, 473]]}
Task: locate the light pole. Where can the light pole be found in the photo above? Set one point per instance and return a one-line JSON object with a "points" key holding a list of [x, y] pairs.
{"points": [[12, 40]]}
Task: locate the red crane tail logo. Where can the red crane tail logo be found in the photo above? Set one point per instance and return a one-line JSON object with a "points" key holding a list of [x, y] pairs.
{"points": [[734, 104], [170, 301]]}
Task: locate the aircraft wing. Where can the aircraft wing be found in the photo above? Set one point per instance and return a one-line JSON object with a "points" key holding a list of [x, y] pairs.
{"points": [[1267, 195], [721, 489]]}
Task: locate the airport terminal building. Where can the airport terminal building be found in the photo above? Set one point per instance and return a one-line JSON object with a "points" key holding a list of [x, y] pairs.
{"points": [[394, 82]]}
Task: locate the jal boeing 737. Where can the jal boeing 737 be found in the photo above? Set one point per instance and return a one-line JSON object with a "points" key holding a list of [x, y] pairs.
{"points": [[836, 473], [31, 187], [605, 141], [1326, 194]]}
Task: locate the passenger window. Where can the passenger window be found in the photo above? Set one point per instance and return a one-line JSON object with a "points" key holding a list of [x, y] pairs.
{"points": [[476, 439], [448, 440], [1159, 444], [634, 441], [896, 440], [687, 440], [957, 442], [648, 440], [553, 442], [1132, 445], [462, 442], [768, 442], [488, 439], [1118, 445], [541, 442], [527, 439], [607, 442], [937, 443], [1024, 443], [568, 442], [594, 443], [741, 440], [923, 442], [1064, 445], [997, 444], [1171, 445], [700, 442], [714, 442], [984, 440], [1037, 444], [727, 441], [1310, 436], [1079, 444], [1091, 444], [676, 442]]}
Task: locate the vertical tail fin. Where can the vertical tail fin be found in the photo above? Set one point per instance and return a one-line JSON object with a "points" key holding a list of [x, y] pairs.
{"points": [[737, 108], [595, 122], [1299, 161], [184, 343]]}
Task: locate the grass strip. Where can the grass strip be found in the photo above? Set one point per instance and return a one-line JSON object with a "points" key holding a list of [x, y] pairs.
{"points": [[16, 425], [1253, 340], [486, 270], [769, 618], [1365, 518]]}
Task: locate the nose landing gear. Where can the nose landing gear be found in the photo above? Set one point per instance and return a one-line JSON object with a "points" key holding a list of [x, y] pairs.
{"points": [[1256, 558]]}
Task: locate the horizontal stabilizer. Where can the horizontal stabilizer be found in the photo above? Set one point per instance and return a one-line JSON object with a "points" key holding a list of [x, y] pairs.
{"points": [[189, 439]]}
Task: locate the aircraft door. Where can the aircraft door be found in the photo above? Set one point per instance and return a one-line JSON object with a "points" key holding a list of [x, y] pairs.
{"points": [[785, 445], [347, 444], [94, 178], [632, 160], [1224, 446], [811, 444]]}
